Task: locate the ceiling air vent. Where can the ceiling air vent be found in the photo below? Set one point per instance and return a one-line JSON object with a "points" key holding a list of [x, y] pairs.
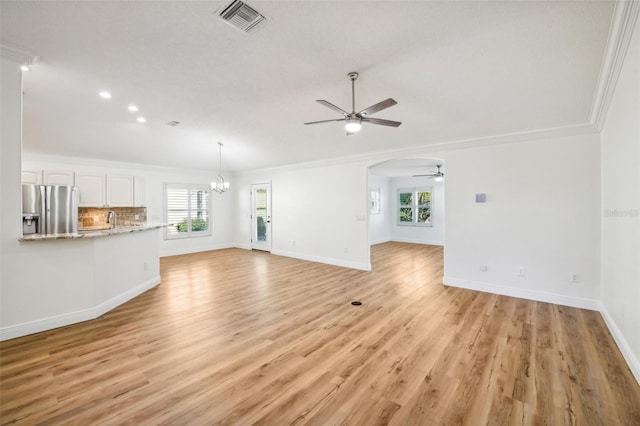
{"points": [[241, 15]]}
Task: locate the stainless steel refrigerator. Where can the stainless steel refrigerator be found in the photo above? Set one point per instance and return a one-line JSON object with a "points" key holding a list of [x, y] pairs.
{"points": [[49, 209]]}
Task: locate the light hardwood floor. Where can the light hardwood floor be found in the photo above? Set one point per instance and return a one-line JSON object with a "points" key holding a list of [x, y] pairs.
{"points": [[240, 337]]}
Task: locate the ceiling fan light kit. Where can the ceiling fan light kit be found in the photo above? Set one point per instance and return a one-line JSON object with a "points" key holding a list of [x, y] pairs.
{"points": [[353, 120], [353, 125]]}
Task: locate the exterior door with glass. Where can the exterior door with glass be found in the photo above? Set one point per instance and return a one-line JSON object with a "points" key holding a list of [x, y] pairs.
{"points": [[261, 216]]}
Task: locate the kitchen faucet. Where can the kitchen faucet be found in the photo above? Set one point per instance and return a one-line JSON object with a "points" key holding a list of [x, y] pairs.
{"points": [[114, 220]]}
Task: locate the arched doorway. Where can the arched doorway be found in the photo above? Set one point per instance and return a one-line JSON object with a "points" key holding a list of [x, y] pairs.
{"points": [[404, 206]]}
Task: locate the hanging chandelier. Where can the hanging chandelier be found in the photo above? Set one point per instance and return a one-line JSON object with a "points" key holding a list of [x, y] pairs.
{"points": [[220, 185]]}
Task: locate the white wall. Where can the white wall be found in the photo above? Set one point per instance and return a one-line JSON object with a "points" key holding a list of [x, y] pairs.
{"points": [[621, 210], [542, 213], [418, 234], [323, 209], [27, 281], [10, 147], [46, 284], [222, 214], [380, 224]]}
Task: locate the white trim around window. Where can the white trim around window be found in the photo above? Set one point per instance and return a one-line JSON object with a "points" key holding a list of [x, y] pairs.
{"points": [[374, 201], [187, 210], [415, 206]]}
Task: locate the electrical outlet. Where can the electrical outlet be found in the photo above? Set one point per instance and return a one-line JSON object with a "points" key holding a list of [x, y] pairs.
{"points": [[483, 268], [145, 267], [574, 278], [293, 243], [522, 272]]}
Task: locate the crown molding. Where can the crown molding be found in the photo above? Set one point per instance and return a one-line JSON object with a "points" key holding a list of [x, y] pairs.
{"points": [[17, 54], [625, 16], [435, 148]]}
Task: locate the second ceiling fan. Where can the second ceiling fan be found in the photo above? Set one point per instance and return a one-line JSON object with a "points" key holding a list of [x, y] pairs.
{"points": [[438, 175], [354, 119]]}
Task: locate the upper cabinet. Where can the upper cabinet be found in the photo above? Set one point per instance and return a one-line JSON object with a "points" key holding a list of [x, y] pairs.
{"points": [[119, 190], [96, 189], [92, 189], [57, 177], [139, 192], [32, 176], [48, 177]]}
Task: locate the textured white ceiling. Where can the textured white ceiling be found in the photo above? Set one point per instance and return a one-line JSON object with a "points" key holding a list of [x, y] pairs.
{"points": [[458, 69]]}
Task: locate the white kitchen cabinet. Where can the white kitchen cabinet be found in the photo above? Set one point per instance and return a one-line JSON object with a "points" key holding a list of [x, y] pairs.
{"points": [[92, 189], [119, 190], [32, 176], [139, 192], [59, 177]]}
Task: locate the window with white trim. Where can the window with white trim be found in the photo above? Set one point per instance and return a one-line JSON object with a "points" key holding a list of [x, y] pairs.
{"points": [[374, 201], [187, 211], [414, 206]]}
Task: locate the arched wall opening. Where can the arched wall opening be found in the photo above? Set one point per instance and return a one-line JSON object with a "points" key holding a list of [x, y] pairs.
{"points": [[391, 180]]}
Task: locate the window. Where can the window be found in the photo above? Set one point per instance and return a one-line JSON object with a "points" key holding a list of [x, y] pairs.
{"points": [[187, 211], [414, 206], [374, 201]]}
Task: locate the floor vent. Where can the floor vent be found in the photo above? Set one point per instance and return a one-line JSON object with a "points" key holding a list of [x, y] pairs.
{"points": [[356, 303], [241, 15]]}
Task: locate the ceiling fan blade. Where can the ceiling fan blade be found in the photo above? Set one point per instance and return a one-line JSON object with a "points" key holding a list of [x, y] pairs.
{"points": [[332, 106], [382, 122], [325, 121], [434, 175], [377, 107]]}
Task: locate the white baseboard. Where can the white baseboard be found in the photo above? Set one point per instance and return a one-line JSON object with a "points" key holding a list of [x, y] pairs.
{"points": [[50, 323], [328, 260], [374, 242], [539, 296], [114, 302], [416, 241], [623, 345], [189, 250]]}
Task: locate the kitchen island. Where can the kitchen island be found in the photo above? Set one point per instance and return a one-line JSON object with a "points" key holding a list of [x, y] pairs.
{"points": [[79, 277]]}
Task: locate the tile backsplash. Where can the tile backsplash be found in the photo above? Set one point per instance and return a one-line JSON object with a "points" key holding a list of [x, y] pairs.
{"points": [[126, 216]]}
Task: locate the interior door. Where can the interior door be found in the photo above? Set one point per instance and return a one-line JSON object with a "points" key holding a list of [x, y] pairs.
{"points": [[261, 216]]}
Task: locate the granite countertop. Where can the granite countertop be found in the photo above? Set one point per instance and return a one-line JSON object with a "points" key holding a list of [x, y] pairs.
{"points": [[93, 232]]}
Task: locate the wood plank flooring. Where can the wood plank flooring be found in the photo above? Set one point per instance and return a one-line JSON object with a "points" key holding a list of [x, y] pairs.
{"points": [[241, 337]]}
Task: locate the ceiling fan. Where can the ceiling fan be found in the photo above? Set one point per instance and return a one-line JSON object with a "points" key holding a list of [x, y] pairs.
{"points": [[354, 119], [438, 175]]}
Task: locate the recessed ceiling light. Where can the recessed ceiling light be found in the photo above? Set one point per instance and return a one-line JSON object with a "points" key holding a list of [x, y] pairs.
{"points": [[25, 68], [105, 95], [132, 108], [141, 120]]}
